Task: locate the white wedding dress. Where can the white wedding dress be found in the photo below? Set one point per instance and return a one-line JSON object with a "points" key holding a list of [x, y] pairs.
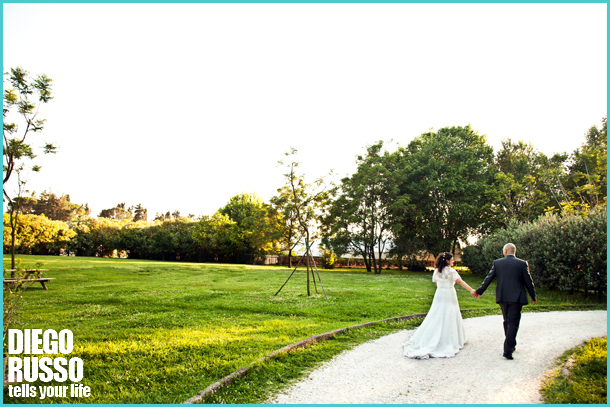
{"points": [[441, 335]]}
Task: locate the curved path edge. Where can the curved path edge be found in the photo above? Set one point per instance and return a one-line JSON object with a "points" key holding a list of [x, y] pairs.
{"points": [[227, 380]]}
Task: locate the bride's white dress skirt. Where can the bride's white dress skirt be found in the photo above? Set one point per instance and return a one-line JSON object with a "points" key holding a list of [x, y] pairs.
{"points": [[441, 335]]}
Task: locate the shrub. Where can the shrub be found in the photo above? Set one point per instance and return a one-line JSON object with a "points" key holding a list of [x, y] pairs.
{"points": [[564, 252], [328, 259], [416, 265]]}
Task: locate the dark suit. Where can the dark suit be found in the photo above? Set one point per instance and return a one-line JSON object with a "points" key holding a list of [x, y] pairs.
{"points": [[513, 280]]}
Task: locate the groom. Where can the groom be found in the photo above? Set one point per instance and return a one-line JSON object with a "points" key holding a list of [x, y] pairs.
{"points": [[513, 279]]}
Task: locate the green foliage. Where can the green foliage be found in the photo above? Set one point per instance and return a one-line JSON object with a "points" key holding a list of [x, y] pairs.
{"points": [[287, 222], [18, 89], [256, 223], [53, 206], [564, 252], [472, 257], [587, 180], [118, 212], [587, 382], [218, 235], [36, 234], [447, 175], [520, 191], [328, 258], [362, 217], [415, 265]]}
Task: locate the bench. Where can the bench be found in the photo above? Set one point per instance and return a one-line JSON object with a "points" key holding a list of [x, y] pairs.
{"points": [[37, 272], [13, 281], [28, 272]]}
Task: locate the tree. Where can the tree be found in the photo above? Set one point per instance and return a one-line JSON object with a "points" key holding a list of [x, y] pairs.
{"points": [[288, 224], [140, 213], [586, 181], [217, 236], [18, 88], [519, 183], [447, 176], [55, 207], [36, 234], [363, 217], [307, 202], [118, 213], [256, 223]]}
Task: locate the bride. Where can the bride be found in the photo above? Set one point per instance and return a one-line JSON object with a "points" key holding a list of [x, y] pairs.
{"points": [[441, 335]]}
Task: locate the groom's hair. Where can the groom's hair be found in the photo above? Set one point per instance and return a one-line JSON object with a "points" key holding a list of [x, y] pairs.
{"points": [[509, 248]]}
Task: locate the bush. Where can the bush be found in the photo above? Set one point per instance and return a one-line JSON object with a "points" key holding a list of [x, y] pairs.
{"points": [[472, 257], [564, 252], [328, 259], [416, 265]]}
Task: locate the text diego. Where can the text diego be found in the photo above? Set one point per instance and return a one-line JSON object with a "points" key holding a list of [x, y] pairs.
{"points": [[45, 369]]}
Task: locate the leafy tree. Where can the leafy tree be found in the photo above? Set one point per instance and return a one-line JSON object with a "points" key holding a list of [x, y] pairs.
{"points": [[96, 237], [256, 222], [363, 217], [55, 207], [140, 213], [134, 238], [586, 182], [118, 213], [289, 236], [447, 176], [18, 89], [519, 183], [36, 234], [217, 236]]}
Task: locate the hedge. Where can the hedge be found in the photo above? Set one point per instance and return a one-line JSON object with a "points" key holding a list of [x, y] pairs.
{"points": [[567, 252]]}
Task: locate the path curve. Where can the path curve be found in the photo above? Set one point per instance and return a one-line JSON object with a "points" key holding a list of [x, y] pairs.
{"points": [[377, 373]]}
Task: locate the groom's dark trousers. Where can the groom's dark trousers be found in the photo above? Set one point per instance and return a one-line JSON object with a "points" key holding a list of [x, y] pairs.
{"points": [[514, 280], [511, 311]]}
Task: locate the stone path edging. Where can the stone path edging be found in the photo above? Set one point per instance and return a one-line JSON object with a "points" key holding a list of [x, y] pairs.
{"points": [[225, 381]]}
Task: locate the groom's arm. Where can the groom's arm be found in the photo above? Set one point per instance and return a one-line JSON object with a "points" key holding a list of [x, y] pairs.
{"points": [[490, 277], [529, 282]]}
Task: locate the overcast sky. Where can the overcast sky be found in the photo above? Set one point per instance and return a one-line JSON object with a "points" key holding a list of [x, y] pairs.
{"points": [[181, 106]]}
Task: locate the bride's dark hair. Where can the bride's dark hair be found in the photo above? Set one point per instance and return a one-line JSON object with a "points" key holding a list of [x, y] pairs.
{"points": [[442, 261]]}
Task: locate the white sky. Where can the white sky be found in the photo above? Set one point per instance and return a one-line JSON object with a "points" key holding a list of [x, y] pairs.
{"points": [[181, 106]]}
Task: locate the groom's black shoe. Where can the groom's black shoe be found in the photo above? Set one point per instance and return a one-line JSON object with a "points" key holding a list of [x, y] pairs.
{"points": [[508, 356]]}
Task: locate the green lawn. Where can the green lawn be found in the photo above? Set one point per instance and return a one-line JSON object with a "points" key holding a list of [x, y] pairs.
{"points": [[159, 332], [587, 382]]}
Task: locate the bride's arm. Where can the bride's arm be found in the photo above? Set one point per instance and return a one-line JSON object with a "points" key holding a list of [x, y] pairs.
{"points": [[463, 284]]}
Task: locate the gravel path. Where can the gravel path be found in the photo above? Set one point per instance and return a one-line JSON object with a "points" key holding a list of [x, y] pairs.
{"points": [[377, 373]]}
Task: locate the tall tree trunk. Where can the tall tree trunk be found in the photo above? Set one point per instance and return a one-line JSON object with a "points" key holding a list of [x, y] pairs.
{"points": [[374, 260], [307, 262], [367, 258], [13, 221]]}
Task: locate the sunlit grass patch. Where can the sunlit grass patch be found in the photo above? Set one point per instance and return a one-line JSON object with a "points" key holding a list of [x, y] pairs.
{"points": [[585, 382]]}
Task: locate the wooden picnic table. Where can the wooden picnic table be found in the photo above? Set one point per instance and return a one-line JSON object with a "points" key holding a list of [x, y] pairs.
{"points": [[42, 280], [29, 272]]}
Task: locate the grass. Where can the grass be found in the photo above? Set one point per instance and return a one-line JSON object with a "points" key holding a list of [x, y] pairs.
{"points": [[587, 383], [159, 332]]}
